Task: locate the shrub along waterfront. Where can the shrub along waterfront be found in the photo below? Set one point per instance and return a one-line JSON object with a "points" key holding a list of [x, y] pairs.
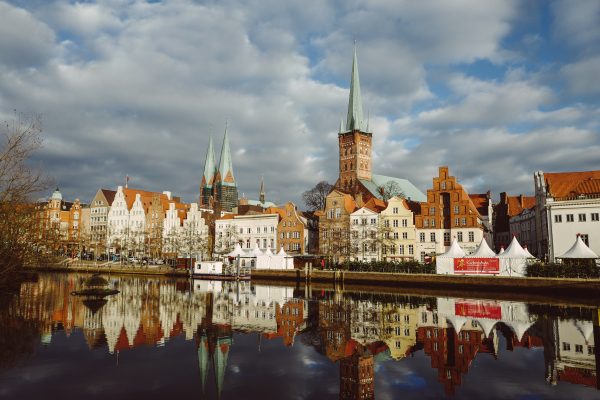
{"points": [[571, 270], [405, 267]]}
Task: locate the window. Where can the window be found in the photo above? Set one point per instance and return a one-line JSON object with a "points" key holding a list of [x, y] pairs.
{"points": [[595, 217], [471, 236], [570, 218], [443, 185], [401, 249], [459, 236], [425, 223], [578, 348], [395, 210], [373, 221], [446, 236], [422, 256], [590, 350], [432, 211], [422, 237], [558, 218], [404, 235], [585, 239], [581, 217], [404, 223], [395, 224], [463, 221], [456, 209], [411, 249], [432, 237], [396, 235], [456, 220], [338, 212], [355, 221], [433, 223], [363, 221]]}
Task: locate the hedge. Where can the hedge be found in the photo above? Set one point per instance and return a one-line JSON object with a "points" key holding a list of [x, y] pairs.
{"points": [[386, 266], [555, 270]]}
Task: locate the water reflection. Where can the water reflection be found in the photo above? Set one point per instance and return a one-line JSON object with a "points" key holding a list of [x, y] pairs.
{"points": [[361, 333]]}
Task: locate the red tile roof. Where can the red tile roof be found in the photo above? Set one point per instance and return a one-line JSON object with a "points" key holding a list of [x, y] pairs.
{"points": [[570, 184]]}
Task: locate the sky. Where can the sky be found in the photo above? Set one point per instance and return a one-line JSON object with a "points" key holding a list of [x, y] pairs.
{"points": [[493, 89]]}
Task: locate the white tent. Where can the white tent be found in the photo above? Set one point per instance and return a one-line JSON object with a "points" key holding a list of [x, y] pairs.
{"points": [[514, 250], [579, 250], [501, 250], [487, 325], [483, 251], [455, 251], [445, 262], [527, 251], [237, 251], [456, 321], [514, 259]]}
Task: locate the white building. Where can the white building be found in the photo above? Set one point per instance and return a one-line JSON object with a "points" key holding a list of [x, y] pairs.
{"points": [[364, 235], [400, 233], [247, 230], [567, 204]]}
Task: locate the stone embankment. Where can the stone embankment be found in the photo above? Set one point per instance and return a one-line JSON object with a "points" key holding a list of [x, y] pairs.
{"points": [[551, 288], [112, 268]]}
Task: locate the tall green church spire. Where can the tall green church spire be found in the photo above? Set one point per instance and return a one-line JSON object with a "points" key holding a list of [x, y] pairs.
{"points": [[209, 165], [225, 165], [354, 120]]}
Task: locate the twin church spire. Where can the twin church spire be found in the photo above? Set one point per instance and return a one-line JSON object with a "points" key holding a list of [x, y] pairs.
{"points": [[218, 186]]}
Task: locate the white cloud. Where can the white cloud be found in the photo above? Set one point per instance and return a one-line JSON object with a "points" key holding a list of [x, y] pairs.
{"points": [[582, 76]]}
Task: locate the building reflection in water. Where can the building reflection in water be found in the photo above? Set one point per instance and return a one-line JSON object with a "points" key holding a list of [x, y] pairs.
{"points": [[355, 331]]}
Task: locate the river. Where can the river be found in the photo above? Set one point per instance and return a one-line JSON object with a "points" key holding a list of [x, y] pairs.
{"points": [[161, 338]]}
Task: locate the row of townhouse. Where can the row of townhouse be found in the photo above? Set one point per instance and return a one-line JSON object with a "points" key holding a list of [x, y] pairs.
{"points": [[402, 229], [130, 222], [274, 228]]}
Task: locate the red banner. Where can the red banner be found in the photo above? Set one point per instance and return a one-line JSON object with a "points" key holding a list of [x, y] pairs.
{"points": [[478, 310], [477, 266]]}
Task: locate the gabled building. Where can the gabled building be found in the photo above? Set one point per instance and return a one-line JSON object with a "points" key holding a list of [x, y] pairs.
{"points": [[508, 207], [99, 208], [297, 231], [355, 155], [218, 188], [566, 204], [400, 233], [334, 226], [448, 213]]}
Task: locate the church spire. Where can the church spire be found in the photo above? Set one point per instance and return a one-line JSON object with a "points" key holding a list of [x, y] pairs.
{"points": [[209, 165], [225, 165], [261, 195], [354, 120]]}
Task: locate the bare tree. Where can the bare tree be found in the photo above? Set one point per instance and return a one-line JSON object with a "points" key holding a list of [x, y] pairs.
{"points": [[389, 190], [22, 229], [315, 197]]}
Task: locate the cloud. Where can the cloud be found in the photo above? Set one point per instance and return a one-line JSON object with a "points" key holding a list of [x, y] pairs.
{"points": [[135, 88], [24, 41]]}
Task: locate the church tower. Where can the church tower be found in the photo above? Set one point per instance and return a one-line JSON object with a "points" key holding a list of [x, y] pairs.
{"points": [[354, 140], [208, 177], [225, 185], [262, 194]]}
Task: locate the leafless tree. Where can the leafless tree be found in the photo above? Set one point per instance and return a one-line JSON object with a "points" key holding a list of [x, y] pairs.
{"points": [[22, 229], [315, 197], [389, 190]]}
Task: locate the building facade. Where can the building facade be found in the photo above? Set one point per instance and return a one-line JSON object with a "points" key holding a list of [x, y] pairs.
{"points": [[567, 204], [249, 231], [448, 213], [400, 232]]}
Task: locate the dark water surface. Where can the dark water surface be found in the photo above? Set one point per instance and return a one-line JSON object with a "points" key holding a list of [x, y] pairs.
{"points": [[161, 339]]}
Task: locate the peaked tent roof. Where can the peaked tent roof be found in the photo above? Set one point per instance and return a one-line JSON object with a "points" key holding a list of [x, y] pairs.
{"points": [[579, 250], [514, 250], [225, 164], [209, 163], [409, 190], [455, 251], [483, 251], [354, 120]]}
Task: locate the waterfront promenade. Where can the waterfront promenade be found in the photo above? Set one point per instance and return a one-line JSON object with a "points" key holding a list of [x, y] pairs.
{"points": [[586, 291]]}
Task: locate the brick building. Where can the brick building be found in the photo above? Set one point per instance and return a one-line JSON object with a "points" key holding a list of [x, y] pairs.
{"points": [[448, 213]]}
